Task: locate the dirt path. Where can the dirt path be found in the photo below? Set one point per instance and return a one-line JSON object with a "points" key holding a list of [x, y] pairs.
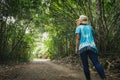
{"points": [[43, 70]]}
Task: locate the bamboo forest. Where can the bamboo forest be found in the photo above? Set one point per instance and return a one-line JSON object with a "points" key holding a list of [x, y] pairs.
{"points": [[35, 30]]}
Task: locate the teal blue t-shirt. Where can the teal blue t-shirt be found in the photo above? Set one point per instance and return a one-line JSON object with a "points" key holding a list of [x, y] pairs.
{"points": [[86, 38]]}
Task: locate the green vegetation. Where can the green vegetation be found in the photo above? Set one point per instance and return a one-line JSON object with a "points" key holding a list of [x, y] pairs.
{"points": [[24, 22]]}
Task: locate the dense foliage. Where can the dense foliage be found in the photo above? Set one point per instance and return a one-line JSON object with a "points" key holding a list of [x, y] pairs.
{"points": [[104, 16], [23, 22], [17, 29]]}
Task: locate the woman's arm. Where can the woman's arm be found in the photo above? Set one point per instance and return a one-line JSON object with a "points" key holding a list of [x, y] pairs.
{"points": [[77, 42]]}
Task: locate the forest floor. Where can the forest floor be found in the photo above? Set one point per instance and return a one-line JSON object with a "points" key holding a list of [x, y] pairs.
{"points": [[43, 70]]}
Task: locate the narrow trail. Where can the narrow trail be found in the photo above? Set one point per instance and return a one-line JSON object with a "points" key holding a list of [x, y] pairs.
{"points": [[45, 70]]}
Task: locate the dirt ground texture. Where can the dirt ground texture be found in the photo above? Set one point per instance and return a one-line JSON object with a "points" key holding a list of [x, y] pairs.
{"points": [[42, 70]]}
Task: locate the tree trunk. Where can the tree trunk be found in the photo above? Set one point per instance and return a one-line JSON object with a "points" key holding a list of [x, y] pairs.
{"points": [[90, 12], [100, 26]]}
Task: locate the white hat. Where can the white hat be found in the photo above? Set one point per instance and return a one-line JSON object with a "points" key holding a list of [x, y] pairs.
{"points": [[83, 17]]}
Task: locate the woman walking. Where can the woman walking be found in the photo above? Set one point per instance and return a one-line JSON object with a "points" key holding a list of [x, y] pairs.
{"points": [[85, 47]]}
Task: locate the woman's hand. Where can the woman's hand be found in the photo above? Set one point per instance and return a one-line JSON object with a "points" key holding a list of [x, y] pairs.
{"points": [[76, 51]]}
